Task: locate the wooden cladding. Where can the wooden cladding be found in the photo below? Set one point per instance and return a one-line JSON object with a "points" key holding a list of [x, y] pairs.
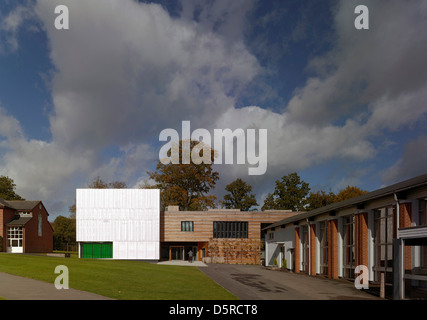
{"points": [[203, 223]]}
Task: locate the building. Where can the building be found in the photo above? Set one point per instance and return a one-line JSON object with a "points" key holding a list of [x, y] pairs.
{"points": [[379, 237], [219, 235], [118, 223], [128, 224], [24, 227]]}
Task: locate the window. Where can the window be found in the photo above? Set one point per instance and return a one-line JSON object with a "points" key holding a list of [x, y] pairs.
{"points": [[305, 249], [422, 213], [383, 241], [348, 247], [187, 226], [40, 225], [230, 229], [14, 237], [323, 247]]}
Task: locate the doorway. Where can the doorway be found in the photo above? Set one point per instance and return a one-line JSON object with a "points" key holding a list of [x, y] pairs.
{"points": [[176, 253], [14, 240]]}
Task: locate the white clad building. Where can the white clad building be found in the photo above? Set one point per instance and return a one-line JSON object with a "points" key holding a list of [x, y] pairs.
{"points": [[118, 223]]}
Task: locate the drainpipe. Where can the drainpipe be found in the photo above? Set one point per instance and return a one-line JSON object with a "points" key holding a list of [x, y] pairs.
{"points": [[397, 215], [401, 270]]}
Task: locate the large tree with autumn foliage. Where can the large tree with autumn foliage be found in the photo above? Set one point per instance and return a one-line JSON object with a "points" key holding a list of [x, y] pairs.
{"points": [[186, 185]]}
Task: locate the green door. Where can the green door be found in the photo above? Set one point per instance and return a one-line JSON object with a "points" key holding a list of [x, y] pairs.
{"points": [[97, 250], [107, 250], [87, 250]]}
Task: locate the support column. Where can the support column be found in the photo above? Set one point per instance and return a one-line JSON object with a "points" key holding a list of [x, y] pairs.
{"points": [[312, 261], [333, 249], [405, 220], [297, 250], [361, 241]]}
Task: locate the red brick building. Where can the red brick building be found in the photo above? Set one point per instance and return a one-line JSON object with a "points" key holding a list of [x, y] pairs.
{"points": [[24, 227]]}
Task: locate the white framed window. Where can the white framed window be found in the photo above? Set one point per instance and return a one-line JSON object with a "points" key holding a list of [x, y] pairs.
{"points": [[14, 239]]}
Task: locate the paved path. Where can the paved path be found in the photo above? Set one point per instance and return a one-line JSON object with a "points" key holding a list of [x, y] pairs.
{"points": [[19, 288], [250, 282], [184, 263], [247, 282]]}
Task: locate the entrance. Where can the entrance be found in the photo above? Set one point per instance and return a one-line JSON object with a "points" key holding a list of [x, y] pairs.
{"points": [[14, 240], [176, 253], [194, 250]]}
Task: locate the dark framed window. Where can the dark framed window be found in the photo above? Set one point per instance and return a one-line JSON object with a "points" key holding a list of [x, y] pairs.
{"points": [[230, 229], [187, 226], [323, 247], [348, 247]]}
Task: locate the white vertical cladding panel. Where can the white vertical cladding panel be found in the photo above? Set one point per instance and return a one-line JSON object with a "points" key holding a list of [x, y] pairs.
{"points": [[130, 218]]}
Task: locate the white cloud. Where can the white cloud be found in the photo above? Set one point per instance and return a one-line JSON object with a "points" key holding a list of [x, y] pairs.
{"points": [[127, 70], [123, 72], [10, 25], [411, 164]]}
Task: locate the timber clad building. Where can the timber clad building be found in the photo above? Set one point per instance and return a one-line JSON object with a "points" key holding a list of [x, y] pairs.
{"points": [[380, 236], [225, 236]]}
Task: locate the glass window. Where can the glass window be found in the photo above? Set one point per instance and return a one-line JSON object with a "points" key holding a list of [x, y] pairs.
{"points": [[324, 247], [187, 226], [422, 213], [230, 229], [348, 247], [383, 242], [40, 225]]}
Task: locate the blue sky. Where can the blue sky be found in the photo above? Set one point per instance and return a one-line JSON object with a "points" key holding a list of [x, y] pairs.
{"points": [[341, 106]]}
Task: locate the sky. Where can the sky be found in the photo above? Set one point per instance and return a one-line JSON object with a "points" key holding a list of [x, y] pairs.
{"points": [[342, 106]]}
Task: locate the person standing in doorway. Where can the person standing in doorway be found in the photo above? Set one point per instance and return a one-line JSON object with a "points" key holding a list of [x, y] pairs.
{"points": [[190, 256]]}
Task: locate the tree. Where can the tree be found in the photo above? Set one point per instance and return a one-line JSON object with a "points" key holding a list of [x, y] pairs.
{"points": [[186, 185], [319, 199], [348, 193], [269, 202], [239, 196], [7, 189], [98, 183], [64, 232], [289, 194]]}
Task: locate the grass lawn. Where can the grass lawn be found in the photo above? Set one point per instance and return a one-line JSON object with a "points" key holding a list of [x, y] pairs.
{"points": [[119, 279]]}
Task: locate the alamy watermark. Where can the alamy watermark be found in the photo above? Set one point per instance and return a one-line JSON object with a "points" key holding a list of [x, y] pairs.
{"points": [[361, 22], [223, 146], [61, 281], [362, 280]]}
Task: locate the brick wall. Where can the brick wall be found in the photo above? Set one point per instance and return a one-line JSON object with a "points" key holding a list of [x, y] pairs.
{"points": [[361, 239], [312, 249], [333, 249], [34, 243], [405, 220], [297, 250], [6, 214], [234, 251]]}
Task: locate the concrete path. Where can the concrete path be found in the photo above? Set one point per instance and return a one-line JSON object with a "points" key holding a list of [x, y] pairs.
{"points": [[19, 288], [247, 282], [252, 282], [184, 263]]}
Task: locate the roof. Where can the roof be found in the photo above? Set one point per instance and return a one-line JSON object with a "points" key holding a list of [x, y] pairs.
{"points": [[2, 203], [19, 204], [397, 188], [18, 221]]}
